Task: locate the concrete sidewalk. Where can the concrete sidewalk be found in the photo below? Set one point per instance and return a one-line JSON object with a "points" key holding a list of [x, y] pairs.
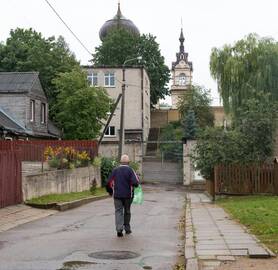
{"points": [[15, 215], [212, 237]]}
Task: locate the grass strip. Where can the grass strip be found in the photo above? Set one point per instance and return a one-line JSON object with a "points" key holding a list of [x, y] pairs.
{"points": [[67, 197], [258, 213]]}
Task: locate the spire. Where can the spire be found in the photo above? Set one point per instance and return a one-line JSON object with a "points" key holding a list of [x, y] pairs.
{"points": [[119, 13], [181, 41]]}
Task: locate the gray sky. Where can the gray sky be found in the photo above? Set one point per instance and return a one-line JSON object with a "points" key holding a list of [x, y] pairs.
{"points": [[206, 24]]}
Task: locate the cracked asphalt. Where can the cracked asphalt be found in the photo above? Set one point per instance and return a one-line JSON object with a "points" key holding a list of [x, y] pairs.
{"points": [[69, 240]]}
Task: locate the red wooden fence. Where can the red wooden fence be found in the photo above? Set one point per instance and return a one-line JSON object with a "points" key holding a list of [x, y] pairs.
{"points": [[10, 178], [34, 150], [241, 179]]}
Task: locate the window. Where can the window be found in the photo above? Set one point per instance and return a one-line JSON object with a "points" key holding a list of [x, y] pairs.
{"points": [[110, 132], [181, 79], [32, 110], [109, 79], [93, 79], [43, 113]]}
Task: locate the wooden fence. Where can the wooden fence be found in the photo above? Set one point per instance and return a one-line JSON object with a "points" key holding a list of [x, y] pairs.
{"points": [[34, 150], [10, 178], [246, 180]]}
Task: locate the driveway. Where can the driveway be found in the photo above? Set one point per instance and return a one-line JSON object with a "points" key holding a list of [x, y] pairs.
{"points": [[85, 238]]}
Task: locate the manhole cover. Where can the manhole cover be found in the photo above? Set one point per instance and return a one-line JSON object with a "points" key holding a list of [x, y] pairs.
{"points": [[114, 255]]}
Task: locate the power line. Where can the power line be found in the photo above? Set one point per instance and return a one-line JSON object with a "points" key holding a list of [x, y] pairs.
{"points": [[57, 14]]}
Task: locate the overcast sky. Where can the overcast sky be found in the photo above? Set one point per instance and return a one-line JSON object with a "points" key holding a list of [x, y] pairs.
{"points": [[206, 24]]}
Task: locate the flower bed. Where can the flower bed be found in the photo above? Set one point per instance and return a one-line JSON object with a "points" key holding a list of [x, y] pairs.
{"points": [[66, 158]]}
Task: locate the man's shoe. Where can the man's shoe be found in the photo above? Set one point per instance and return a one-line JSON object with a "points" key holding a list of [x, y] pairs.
{"points": [[128, 232], [120, 234]]}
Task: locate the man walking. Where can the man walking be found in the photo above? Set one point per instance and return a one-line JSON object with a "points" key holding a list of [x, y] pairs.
{"points": [[120, 184]]}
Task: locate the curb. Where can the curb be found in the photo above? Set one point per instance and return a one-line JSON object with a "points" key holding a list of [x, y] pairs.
{"points": [[191, 260], [68, 205]]}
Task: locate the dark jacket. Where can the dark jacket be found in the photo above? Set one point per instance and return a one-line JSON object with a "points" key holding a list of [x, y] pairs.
{"points": [[121, 182]]}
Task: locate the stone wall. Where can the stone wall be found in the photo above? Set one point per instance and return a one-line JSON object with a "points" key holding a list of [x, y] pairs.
{"points": [[59, 181], [188, 169], [133, 150]]}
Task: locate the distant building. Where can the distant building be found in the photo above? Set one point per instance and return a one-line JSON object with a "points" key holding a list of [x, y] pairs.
{"points": [[137, 107], [182, 71], [24, 108]]}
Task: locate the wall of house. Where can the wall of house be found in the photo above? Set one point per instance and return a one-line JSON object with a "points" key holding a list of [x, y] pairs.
{"points": [[36, 125], [59, 181], [147, 105], [137, 100]]}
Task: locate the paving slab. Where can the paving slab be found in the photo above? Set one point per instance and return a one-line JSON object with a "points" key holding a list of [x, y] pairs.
{"points": [[217, 236], [13, 216]]}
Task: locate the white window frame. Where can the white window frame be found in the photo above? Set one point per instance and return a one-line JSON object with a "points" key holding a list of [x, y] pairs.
{"points": [[93, 79], [32, 110], [109, 76], [108, 132], [43, 113]]}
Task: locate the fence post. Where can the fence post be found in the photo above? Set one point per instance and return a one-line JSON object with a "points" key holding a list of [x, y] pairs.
{"points": [[215, 181], [275, 178]]}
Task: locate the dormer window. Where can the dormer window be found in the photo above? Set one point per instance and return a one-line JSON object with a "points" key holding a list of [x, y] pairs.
{"points": [[32, 110], [43, 113]]}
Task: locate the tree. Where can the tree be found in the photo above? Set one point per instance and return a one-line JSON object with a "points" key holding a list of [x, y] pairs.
{"points": [[216, 146], [257, 121], [250, 140], [79, 107], [120, 45], [250, 64], [190, 128], [28, 50], [197, 99]]}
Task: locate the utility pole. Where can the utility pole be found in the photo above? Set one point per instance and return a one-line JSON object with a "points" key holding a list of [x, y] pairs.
{"points": [[122, 126]]}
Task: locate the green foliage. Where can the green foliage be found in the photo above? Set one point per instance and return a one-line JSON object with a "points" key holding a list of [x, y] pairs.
{"points": [[93, 187], [258, 213], [215, 146], [134, 165], [171, 132], [197, 99], [79, 108], [28, 50], [190, 127], [120, 46], [107, 166], [250, 64], [256, 120], [249, 141]]}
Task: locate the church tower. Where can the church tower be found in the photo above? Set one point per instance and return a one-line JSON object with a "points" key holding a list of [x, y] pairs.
{"points": [[181, 74]]}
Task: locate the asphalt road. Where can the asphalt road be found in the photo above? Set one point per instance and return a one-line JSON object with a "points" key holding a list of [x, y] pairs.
{"points": [[66, 241]]}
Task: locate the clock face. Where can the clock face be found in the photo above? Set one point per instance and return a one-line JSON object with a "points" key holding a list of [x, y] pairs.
{"points": [[181, 79]]}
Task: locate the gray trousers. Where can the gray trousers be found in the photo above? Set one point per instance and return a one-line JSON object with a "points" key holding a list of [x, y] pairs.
{"points": [[122, 214]]}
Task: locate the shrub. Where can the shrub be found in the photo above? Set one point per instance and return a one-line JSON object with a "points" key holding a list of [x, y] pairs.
{"points": [[107, 165]]}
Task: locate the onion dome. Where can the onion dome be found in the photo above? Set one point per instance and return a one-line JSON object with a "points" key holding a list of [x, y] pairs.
{"points": [[119, 21]]}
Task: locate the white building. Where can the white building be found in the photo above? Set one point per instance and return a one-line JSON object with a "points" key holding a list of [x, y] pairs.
{"points": [[137, 107]]}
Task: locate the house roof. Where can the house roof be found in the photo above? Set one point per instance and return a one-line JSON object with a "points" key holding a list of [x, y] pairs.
{"points": [[17, 82], [53, 130], [8, 123]]}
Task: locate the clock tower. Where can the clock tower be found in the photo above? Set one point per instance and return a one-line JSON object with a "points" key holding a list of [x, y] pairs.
{"points": [[181, 74]]}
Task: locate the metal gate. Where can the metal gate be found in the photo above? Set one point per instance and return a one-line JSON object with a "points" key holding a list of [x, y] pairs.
{"points": [[162, 162], [10, 178]]}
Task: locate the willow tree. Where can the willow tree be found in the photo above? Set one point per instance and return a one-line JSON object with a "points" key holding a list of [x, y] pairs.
{"points": [[251, 64]]}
